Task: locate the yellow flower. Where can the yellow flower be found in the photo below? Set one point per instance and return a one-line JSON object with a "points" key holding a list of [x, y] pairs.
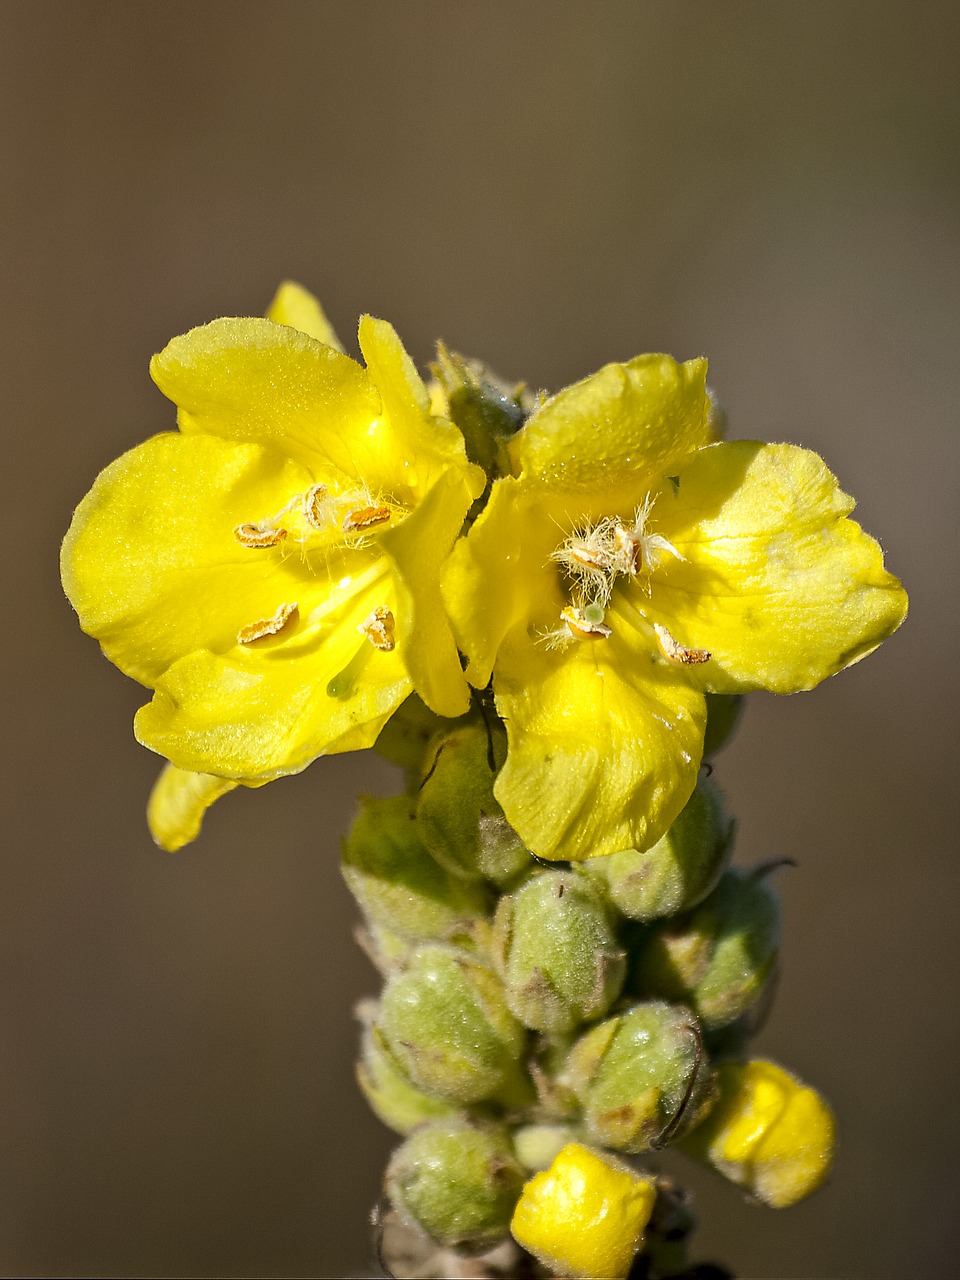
{"points": [[767, 1132], [585, 1215], [271, 571], [632, 563]]}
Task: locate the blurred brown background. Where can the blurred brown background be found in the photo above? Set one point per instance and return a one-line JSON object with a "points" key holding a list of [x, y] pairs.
{"points": [[549, 185]]}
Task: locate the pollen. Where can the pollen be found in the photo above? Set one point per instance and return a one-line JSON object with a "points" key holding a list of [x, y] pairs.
{"points": [[378, 627], [584, 624], [263, 534], [314, 506], [285, 615], [364, 518], [676, 652]]}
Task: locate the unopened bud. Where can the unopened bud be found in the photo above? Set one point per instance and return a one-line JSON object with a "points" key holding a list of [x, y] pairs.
{"points": [[486, 410], [680, 869], [718, 957], [458, 1181], [768, 1132], [404, 738], [459, 820], [641, 1077], [391, 1095], [538, 1145], [585, 1215], [556, 949], [399, 886], [445, 1020], [723, 716]]}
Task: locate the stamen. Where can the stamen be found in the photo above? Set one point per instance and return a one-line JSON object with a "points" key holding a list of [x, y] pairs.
{"points": [[629, 551], [259, 535], [268, 626], [676, 652], [585, 624], [379, 629], [314, 506], [365, 518]]}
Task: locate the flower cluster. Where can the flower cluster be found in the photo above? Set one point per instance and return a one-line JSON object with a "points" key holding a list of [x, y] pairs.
{"points": [[320, 538], [546, 610]]}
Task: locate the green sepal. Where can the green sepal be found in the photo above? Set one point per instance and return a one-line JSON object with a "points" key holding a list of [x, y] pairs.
{"points": [[392, 1096]]}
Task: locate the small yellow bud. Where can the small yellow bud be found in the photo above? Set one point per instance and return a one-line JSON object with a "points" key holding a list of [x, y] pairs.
{"points": [[585, 1215], [769, 1133]]}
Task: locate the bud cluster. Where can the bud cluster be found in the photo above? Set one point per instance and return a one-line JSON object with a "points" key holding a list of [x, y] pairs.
{"points": [[540, 1025]]}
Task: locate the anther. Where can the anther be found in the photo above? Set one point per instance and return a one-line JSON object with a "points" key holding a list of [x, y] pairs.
{"points": [[314, 502], [584, 624], [379, 629], [286, 614], [676, 652], [365, 518], [629, 550], [258, 535]]}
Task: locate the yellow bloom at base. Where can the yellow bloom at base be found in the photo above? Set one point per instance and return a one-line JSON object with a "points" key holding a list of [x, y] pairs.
{"points": [[768, 1132], [271, 570], [585, 1215], [631, 564]]}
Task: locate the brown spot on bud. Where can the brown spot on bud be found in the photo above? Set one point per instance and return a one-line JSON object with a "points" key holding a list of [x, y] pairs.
{"points": [[364, 518], [258, 535], [379, 629], [286, 614], [676, 652]]}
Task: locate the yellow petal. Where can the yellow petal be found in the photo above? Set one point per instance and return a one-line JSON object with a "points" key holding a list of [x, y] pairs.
{"points": [[178, 803], [295, 306], [252, 380], [604, 743], [499, 575], [260, 712], [151, 563], [601, 442], [585, 1215], [416, 446], [417, 549], [767, 1132], [776, 583]]}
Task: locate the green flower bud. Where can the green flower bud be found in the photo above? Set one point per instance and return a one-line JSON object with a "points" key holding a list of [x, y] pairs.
{"points": [[404, 738], [391, 1095], [680, 869], [641, 1076], [399, 886], [538, 1145], [458, 1181], [723, 717], [555, 947], [718, 957], [458, 818], [446, 1022], [485, 409]]}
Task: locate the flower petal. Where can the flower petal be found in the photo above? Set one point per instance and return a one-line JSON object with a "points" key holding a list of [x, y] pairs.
{"points": [[779, 586], [178, 802], [260, 712], [416, 446], [500, 575], [601, 441], [417, 549], [150, 561], [604, 743], [295, 306], [252, 380]]}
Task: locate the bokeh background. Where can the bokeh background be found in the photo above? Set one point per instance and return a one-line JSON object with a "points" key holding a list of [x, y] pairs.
{"points": [[549, 185]]}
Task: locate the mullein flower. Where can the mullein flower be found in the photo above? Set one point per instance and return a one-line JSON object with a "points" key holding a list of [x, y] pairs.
{"points": [[629, 565], [585, 1215], [271, 570], [768, 1132]]}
